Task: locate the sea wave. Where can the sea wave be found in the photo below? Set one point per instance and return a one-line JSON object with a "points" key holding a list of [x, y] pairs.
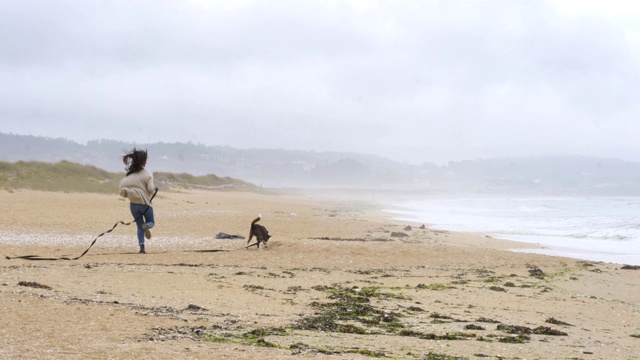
{"points": [[600, 224]]}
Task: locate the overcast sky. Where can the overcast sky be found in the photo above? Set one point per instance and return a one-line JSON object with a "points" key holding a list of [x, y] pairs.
{"points": [[414, 81]]}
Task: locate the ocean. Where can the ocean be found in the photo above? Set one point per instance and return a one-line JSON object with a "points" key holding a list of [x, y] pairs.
{"points": [[589, 228]]}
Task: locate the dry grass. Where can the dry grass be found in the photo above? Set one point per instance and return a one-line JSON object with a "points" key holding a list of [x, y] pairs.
{"points": [[73, 177]]}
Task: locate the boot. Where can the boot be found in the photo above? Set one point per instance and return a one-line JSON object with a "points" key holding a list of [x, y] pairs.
{"points": [[147, 233], [141, 250]]}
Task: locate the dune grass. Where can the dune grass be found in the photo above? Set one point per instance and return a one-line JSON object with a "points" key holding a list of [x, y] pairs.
{"points": [[74, 177]]}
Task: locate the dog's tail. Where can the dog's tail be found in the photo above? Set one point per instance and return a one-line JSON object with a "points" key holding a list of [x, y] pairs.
{"points": [[251, 229]]}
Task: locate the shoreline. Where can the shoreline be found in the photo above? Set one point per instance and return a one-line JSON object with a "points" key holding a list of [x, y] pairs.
{"points": [[573, 245], [429, 293], [542, 246]]}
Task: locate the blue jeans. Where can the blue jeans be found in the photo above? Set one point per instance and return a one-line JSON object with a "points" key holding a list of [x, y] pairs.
{"points": [[143, 215]]}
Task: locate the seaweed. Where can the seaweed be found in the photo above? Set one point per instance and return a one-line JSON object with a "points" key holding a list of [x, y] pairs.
{"points": [[520, 339], [436, 356], [487, 320], [514, 329], [432, 336], [474, 327], [252, 338], [630, 267], [557, 322], [545, 330], [351, 305], [535, 271], [415, 309], [300, 348], [435, 287], [253, 287], [34, 284]]}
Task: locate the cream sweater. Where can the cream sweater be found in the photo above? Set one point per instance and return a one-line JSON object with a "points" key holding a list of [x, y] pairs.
{"points": [[138, 187]]}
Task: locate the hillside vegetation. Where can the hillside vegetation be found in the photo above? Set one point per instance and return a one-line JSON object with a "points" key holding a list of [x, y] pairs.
{"points": [[73, 177]]}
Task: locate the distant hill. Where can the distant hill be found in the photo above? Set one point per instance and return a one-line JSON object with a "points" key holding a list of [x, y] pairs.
{"points": [[267, 167], [274, 168]]}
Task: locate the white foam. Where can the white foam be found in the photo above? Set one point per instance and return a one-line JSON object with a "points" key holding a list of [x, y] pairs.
{"points": [[592, 228]]}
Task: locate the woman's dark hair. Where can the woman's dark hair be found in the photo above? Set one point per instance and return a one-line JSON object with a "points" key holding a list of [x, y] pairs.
{"points": [[134, 160]]}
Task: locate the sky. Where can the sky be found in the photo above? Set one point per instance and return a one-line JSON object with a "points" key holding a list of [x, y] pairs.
{"points": [[414, 81]]}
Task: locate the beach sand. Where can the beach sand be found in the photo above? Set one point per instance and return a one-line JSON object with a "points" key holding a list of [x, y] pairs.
{"points": [[337, 282]]}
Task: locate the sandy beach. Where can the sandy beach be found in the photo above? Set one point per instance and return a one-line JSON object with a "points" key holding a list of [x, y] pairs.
{"points": [[340, 280]]}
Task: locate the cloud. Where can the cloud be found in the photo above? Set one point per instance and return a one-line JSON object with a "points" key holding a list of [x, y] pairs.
{"points": [[414, 81]]}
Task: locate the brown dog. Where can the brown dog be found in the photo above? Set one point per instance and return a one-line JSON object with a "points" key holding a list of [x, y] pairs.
{"points": [[260, 232]]}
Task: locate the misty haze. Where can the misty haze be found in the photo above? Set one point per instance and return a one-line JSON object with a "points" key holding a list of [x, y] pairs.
{"points": [[568, 175]]}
